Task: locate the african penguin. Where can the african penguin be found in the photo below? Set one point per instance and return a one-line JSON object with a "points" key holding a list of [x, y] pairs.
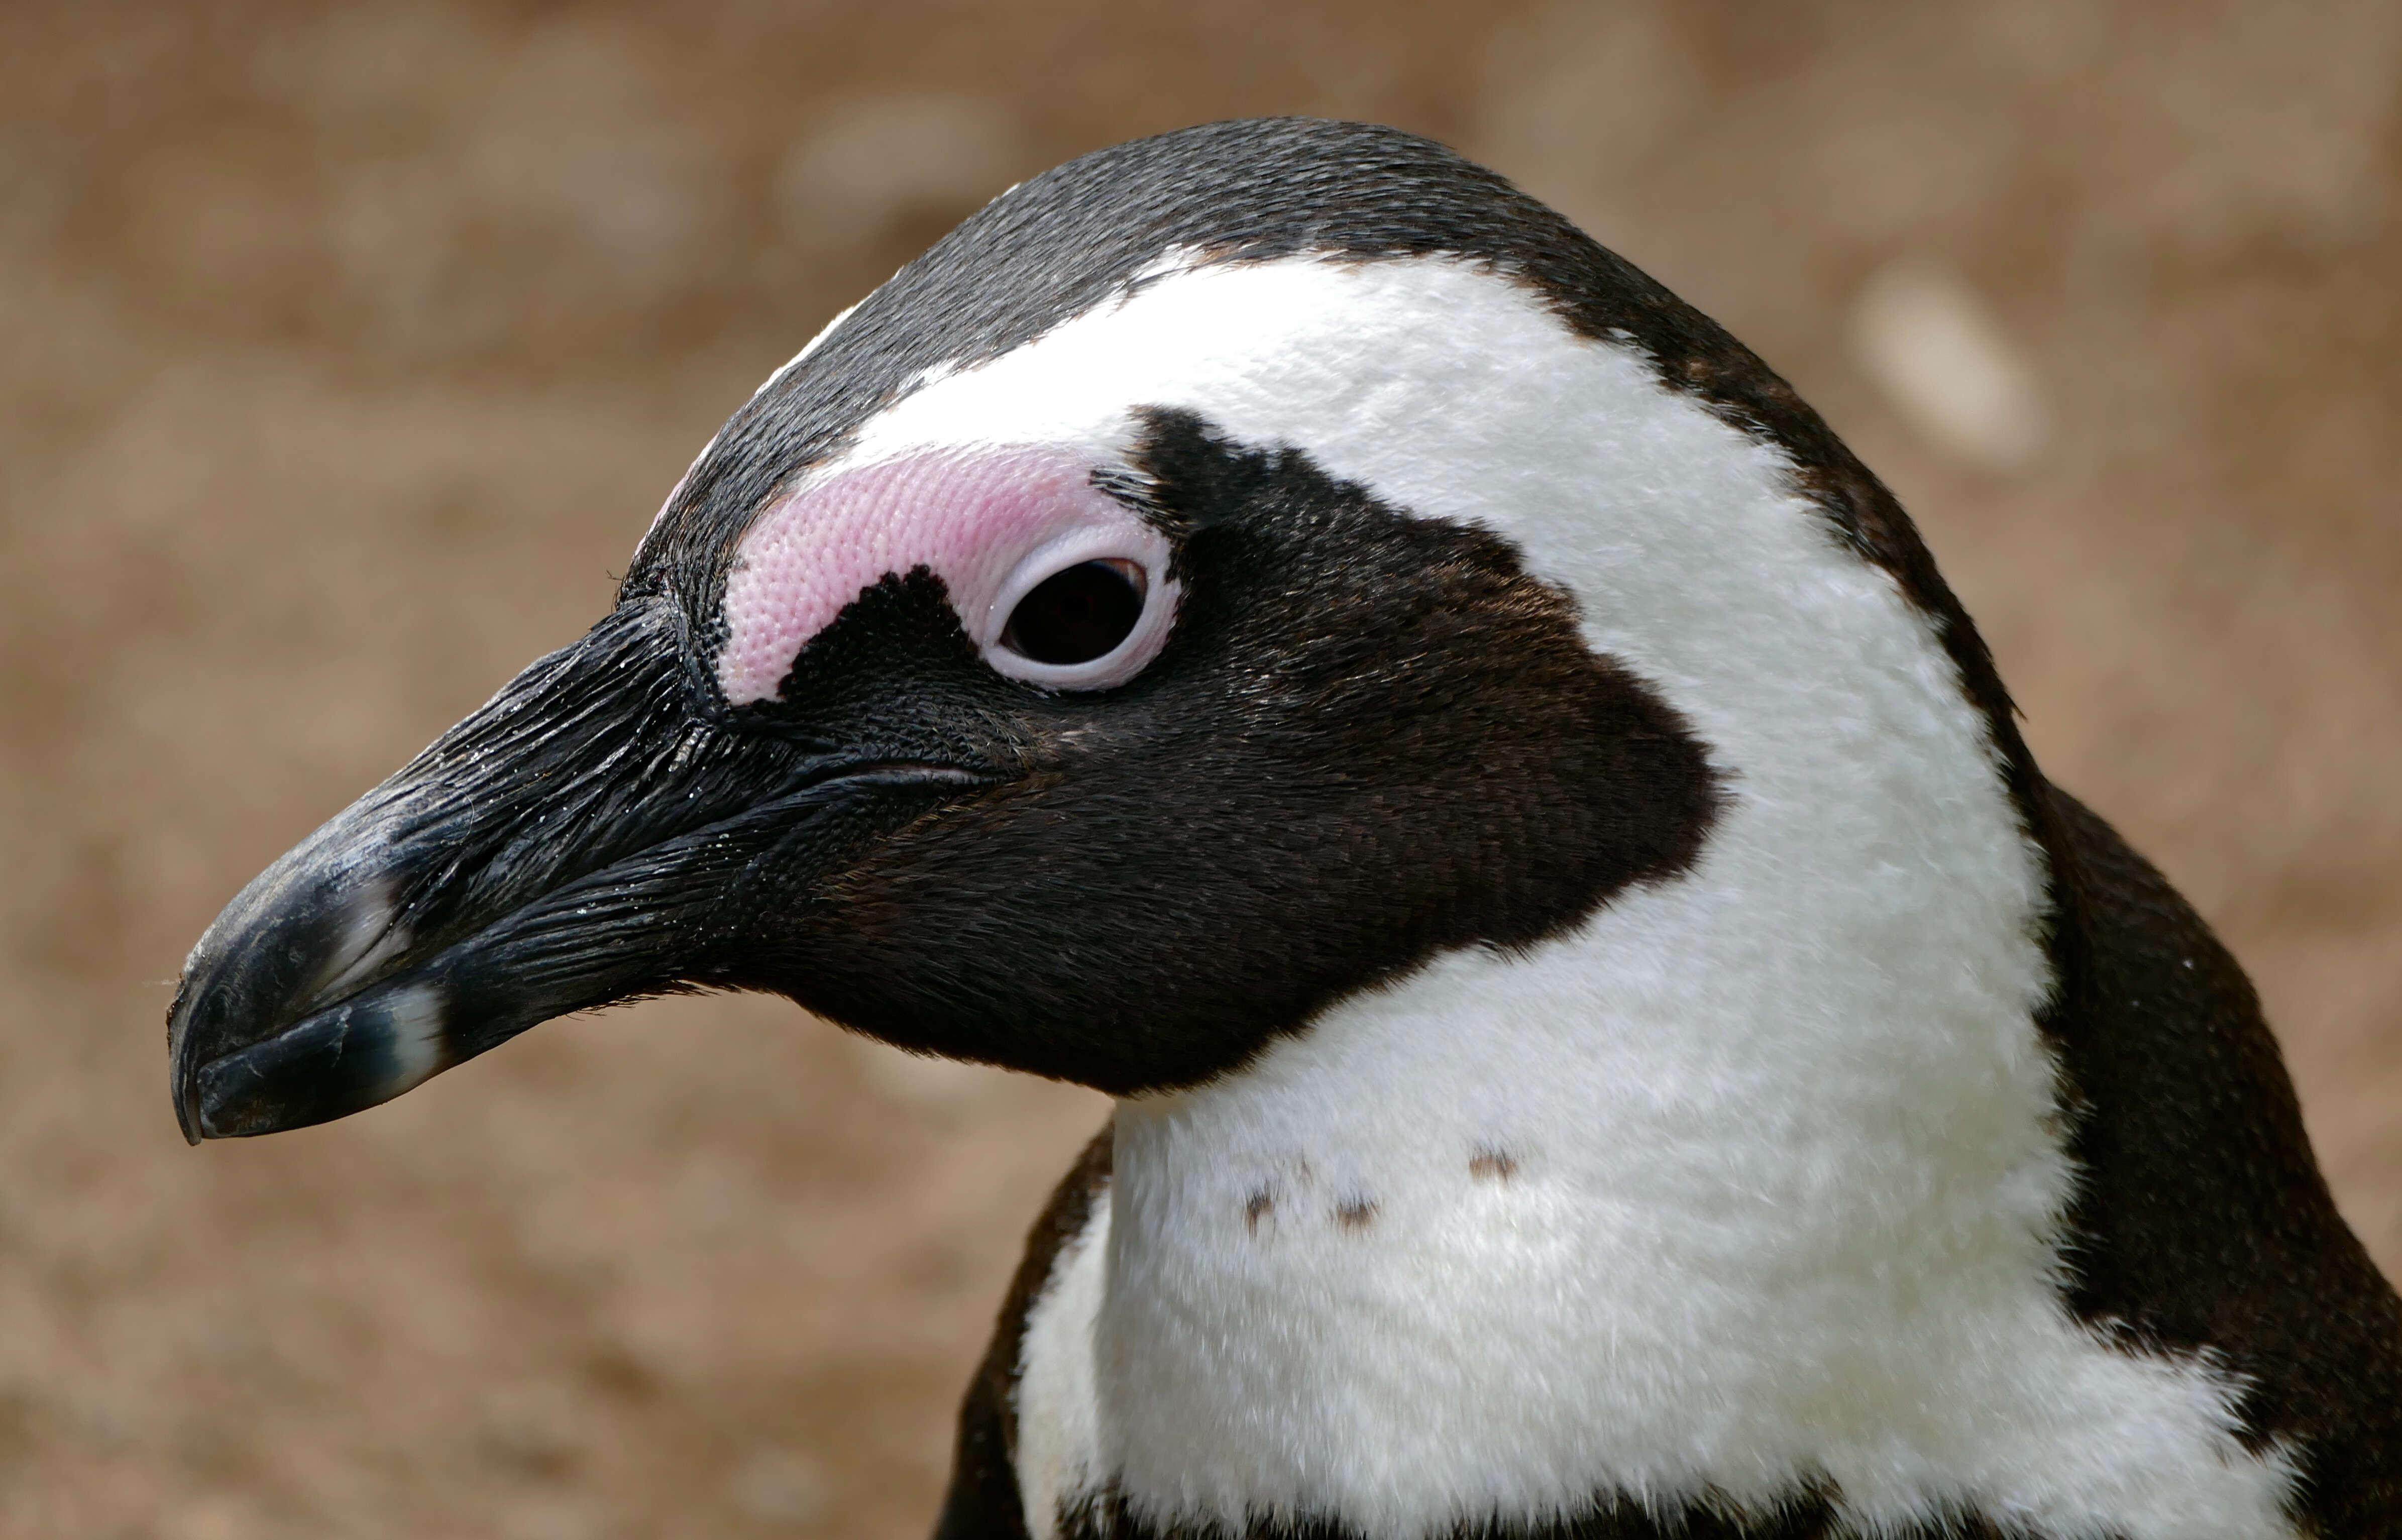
{"points": [[1614, 1036]]}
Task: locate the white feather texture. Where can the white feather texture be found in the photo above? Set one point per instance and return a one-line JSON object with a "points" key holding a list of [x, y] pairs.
{"points": [[1755, 1179], [1058, 1446]]}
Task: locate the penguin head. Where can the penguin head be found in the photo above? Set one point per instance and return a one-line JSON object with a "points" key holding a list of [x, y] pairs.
{"points": [[1226, 573]]}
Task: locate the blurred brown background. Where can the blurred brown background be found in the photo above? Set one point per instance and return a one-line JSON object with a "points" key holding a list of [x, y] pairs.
{"points": [[347, 349]]}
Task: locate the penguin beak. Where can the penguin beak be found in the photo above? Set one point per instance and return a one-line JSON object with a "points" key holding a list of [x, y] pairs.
{"points": [[587, 837]]}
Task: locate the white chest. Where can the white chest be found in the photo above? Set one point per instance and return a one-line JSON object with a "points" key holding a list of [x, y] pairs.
{"points": [[1388, 1276]]}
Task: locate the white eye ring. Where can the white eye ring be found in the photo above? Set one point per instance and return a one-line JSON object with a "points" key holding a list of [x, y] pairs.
{"points": [[1131, 545]]}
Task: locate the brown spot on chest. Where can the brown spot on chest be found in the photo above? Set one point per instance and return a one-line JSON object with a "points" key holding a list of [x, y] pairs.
{"points": [[1260, 1205], [1356, 1213], [1492, 1165]]}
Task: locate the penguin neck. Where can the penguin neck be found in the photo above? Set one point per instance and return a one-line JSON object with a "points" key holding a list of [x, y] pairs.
{"points": [[1747, 1192], [1658, 1183], [1829, 1044]]}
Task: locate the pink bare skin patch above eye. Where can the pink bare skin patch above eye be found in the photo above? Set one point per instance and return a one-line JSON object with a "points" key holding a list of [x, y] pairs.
{"points": [[974, 518]]}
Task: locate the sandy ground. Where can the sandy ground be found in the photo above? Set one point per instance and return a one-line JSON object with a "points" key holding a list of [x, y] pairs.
{"points": [[345, 352]]}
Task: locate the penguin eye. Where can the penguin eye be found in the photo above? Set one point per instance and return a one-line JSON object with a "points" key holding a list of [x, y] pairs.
{"points": [[1087, 609], [1079, 614]]}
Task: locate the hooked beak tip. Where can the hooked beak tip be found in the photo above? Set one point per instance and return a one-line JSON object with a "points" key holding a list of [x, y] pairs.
{"points": [[254, 1044]]}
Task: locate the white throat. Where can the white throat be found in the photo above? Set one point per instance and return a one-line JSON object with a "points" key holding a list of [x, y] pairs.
{"points": [[1757, 1178]]}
